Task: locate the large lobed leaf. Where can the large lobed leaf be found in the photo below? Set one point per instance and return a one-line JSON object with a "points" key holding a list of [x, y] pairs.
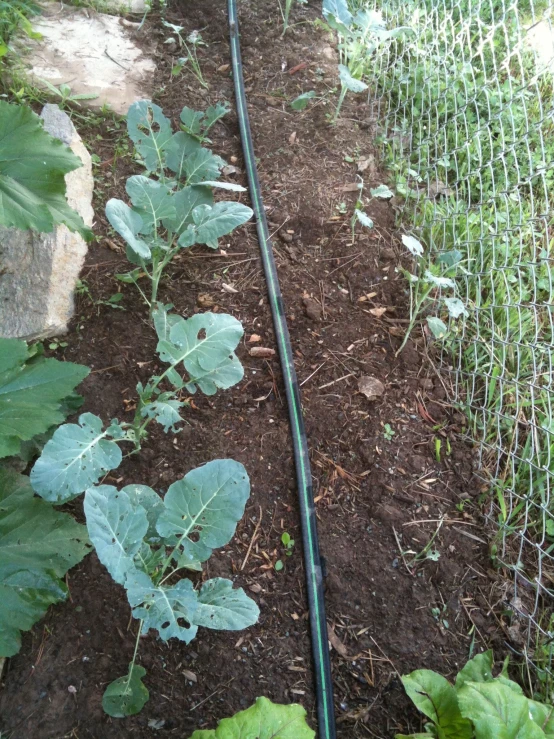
{"points": [[75, 458], [32, 393], [212, 222], [150, 131], [38, 545], [33, 166], [263, 720], [205, 345], [201, 511]]}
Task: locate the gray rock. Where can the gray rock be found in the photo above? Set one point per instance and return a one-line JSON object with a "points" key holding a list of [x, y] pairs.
{"points": [[38, 272]]}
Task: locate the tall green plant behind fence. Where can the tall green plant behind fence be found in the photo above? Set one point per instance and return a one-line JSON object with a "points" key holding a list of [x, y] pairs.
{"points": [[463, 99]]}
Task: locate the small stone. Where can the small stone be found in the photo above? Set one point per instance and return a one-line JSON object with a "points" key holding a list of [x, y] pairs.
{"points": [[286, 237], [312, 309]]}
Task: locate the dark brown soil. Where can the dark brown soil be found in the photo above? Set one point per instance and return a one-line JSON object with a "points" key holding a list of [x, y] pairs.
{"points": [[377, 493]]}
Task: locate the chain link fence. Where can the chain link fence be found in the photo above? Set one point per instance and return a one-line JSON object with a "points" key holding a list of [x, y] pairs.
{"points": [[463, 91]]}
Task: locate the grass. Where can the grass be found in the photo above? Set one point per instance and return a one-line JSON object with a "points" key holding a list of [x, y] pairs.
{"points": [[467, 113]]}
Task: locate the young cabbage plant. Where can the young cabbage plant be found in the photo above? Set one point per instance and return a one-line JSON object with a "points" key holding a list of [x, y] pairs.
{"points": [[144, 540], [285, 12], [359, 215], [428, 285], [199, 353], [197, 123], [193, 40], [173, 207]]}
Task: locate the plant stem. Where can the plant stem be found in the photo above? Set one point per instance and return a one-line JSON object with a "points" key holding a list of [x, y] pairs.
{"points": [[132, 663], [339, 105]]}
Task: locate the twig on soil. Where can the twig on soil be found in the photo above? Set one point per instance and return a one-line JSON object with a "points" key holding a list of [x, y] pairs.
{"points": [[313, 373], [218, 690], [328, 384], [411, 572], [252, 540]]}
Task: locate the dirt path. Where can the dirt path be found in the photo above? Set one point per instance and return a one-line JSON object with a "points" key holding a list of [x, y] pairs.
{"points": [[377, 492]]}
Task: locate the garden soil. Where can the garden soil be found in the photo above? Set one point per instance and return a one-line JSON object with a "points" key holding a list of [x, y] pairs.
{"points": [[388, 470]]}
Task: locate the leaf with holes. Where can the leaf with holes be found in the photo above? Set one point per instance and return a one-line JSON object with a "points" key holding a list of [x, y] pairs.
{"points": [[126, 695], [116, 527], [222, 607], [165, 409], [201, 511], [210, 223], [33, 393], [152, 200], [263, 720], [38, 545], [75, 458], [169, 610], [151, 133], [203, 344], [225, 375]]}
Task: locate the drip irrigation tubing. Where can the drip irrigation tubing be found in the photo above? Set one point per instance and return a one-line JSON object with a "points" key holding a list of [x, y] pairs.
{"points": [[312, 559]]}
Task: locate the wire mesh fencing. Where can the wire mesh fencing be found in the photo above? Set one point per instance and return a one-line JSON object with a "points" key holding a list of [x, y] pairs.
{"points": [[463, 93]]}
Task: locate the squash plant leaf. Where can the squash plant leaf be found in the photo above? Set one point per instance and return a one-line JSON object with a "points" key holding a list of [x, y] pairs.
{"points": [[497, 711], [33, 391], [263, 720], [204, 344], [152, 200], [212, 222], [128, 224], [75, 458], [151, 133], [222, 607], [33, 166], [201, 511], [434, 696], [30, 574], [169, 610], [126, 695], [116, 528]]}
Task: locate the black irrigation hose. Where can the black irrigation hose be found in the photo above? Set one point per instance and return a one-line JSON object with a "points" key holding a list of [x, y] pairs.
{"points": [[312, 561]]}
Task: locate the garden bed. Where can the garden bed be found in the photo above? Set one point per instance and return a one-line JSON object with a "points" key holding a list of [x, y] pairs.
{"points": [[382, 481]]}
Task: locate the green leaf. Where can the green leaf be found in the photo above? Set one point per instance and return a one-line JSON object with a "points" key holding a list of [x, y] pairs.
{"points": [[435, 697], [150, 132], [263, 720], [338, 9], [477, 670], [206, 504], [364, 219], [543, 716], [180, 147], [32, 394], [33, 166], [75, 458], [165, 410], [414, 246], [383, 192], [212, 222], [128, 225], [438, 280], [126, 695], [192, 120], [142, 495], [164, 320], [38, 545], [152, 200], [185, 201], [222, 607], [455, 307], [213, 114], [203, 343], [116, 528], [200, 165], [302, 101], [228, 373], [438, 328], [169, 610], [231, 186], [351, 83], [497, 712]]}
